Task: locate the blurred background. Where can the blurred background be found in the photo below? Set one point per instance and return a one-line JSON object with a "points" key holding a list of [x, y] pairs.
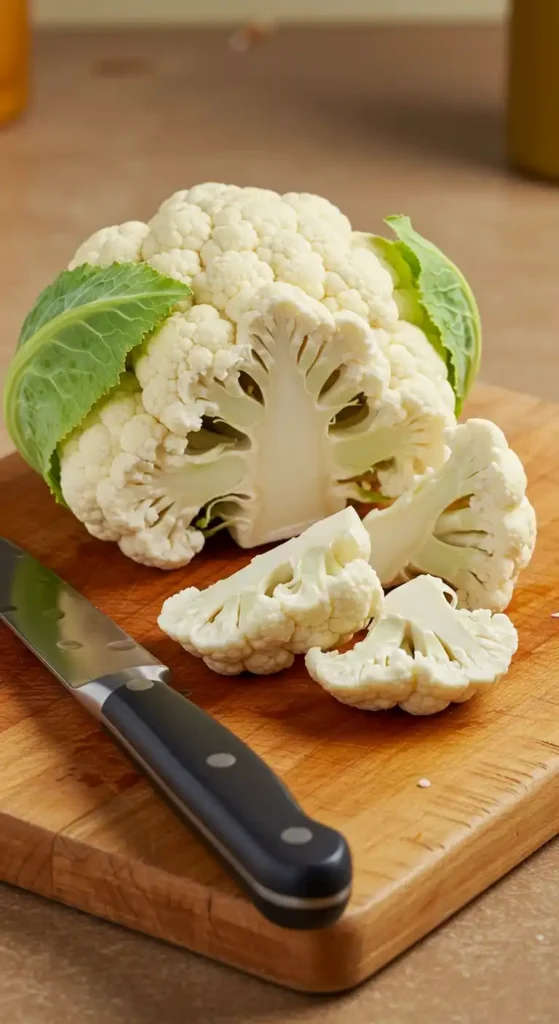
{"points": [[447, 110], [189, 11], [383, 106]]}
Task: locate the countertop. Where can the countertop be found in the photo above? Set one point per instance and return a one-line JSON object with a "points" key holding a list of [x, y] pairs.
{"points": [[380, 121]]}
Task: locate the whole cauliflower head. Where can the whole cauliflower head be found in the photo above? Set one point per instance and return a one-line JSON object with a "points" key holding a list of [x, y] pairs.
{"points": [[421, 654], [290, 362], [314, 591]]}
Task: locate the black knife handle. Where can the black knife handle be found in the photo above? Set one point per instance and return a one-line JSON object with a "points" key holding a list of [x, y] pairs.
{"points": [[295, 870]]}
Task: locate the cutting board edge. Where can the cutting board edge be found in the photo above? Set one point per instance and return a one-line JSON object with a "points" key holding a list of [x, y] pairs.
{"points": [[517, 831], [327, 962]]}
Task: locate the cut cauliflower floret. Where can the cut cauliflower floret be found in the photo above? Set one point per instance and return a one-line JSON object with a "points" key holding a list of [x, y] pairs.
{"points": [[316, 590], [469, 523], [421, 653], [396, 441]]}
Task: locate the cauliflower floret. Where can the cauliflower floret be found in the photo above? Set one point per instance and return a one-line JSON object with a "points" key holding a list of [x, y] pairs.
{"points": [[88, 454], [180, 264], [411, 355], [309, 207], [316, 590], [199, 343], [243, 238], [230, 281], [361, 273], [180, 225], [168, 543], [132, 481], [421, 654], [121, 243], [469, 523], [210, 196]]}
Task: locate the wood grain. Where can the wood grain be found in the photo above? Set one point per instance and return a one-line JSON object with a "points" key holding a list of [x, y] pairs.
{"points": [[79, 825]]}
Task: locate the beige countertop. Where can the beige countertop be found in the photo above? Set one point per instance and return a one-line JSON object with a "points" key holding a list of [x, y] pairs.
{"points": [[392, 120]]}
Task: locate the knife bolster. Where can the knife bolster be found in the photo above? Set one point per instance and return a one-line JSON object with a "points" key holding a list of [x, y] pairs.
{"points": [[94, 693]]}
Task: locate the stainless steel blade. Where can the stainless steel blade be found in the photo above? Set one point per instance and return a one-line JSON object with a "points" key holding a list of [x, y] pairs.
{"points": [[76, 641]]}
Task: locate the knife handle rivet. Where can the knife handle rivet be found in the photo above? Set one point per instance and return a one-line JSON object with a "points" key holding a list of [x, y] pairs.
{"points": [[53, 613], [139, 684], [296, 835], [221, 760], [7, 608], [69, 645], [121, 645]]}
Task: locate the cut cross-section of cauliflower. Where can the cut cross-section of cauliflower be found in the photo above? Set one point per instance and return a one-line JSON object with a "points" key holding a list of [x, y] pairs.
{"points": [[315, 590], [422, 653], [130, 480], [301, 395], [469, 523], [392, 441]]}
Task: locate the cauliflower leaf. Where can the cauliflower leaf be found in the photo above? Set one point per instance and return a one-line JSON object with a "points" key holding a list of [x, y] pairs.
{"points": [[435, 294], [72, 350]]}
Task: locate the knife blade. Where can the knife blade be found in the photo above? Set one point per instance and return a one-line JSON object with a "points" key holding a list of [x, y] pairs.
{"points": [[296, 871]]}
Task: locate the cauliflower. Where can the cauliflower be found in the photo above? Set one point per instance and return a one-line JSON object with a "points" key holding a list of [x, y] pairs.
{"points": [[221, 439], [421, 653], [469, 523], [317, 589], [256, 340], [288, 314]]}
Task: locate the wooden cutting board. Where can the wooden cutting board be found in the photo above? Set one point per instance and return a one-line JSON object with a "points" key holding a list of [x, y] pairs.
{"points": [[77, 823]]}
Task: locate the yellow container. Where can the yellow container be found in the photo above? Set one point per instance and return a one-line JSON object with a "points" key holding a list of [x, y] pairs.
{"points": [[533, 101], [14, 52]]}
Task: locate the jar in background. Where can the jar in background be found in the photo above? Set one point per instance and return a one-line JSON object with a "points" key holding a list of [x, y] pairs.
{"points": [[533, 100], [14, 52]]}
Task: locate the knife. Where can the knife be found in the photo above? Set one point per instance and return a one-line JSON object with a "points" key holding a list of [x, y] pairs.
{"points": [[296, 871]]}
